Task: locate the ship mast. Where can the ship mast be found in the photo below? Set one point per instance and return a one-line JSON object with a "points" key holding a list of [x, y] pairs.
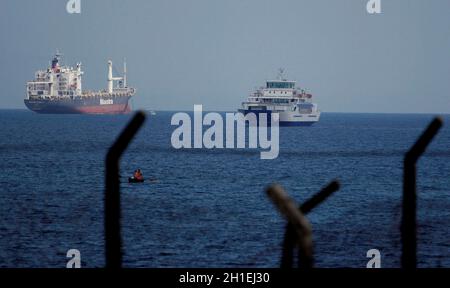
{"points": [[280, 73], [110, 77], [125, 73]]}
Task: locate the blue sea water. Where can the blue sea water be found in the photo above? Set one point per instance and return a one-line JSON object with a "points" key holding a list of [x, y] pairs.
{"points": [[208, 207]]}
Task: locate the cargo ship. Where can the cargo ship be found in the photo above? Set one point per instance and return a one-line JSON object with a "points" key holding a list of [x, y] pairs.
{"points": [[58, 90], [294, 105]]}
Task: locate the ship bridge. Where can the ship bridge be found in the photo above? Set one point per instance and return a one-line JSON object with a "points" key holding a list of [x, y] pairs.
{"points": [[280, 84], [279, 88]]}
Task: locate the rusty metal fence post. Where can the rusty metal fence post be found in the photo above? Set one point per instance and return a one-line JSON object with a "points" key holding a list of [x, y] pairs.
{"points": [[305, 208], [113, 241], [298, 230], [408, 225]]}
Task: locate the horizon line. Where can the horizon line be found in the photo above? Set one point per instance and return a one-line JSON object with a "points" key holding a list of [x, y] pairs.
{"points": [[228, 111]]}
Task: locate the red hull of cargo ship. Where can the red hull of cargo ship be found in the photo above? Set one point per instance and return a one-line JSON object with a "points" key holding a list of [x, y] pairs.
{"points": [[105, 109], [119, 105]]}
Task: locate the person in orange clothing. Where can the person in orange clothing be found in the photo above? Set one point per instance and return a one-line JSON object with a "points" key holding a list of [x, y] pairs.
{"points": [[138, 174]]}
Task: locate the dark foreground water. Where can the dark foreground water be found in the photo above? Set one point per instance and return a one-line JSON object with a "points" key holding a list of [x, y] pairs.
{"points": [[208, 207]]}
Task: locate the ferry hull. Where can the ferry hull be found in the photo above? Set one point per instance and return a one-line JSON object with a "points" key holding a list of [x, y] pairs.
{"points": [[92, 105], [287, 119]]}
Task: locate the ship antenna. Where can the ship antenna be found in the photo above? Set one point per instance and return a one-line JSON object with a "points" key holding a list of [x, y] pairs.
{"points": [[58, 54], [56, 58], [280, 73]]}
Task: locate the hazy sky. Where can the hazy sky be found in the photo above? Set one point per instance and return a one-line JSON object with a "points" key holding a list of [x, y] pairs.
{"points": [[209, 52]]}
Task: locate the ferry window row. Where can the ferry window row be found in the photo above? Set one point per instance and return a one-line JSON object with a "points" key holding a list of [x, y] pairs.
{"points": [[281, 92], [281, 101], [281, 85]]}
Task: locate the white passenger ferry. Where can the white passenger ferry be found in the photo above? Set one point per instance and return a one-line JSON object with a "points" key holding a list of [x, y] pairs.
{"points": [[294, 105]]}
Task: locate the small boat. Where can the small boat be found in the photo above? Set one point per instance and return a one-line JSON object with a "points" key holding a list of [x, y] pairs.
{"points": [[135, 180]]}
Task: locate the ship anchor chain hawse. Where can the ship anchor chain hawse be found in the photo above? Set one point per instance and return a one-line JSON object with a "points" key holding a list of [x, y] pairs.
{"points": [[58, 90]]}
